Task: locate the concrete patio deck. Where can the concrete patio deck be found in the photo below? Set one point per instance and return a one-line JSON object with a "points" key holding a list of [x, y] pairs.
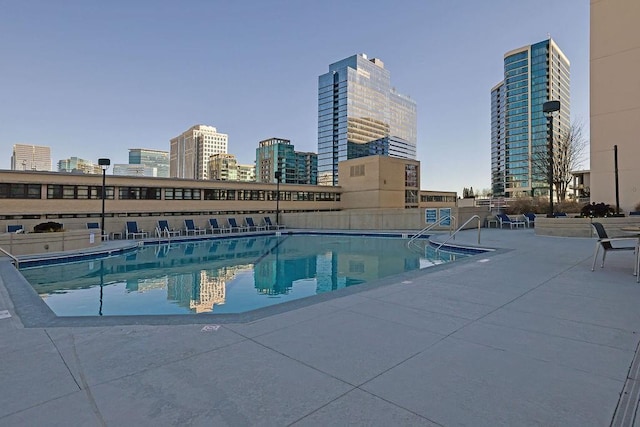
{"points": [[526, 335]]}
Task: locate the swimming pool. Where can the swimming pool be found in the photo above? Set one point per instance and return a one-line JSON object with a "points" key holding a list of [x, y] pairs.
{"points": [[224, 275]]}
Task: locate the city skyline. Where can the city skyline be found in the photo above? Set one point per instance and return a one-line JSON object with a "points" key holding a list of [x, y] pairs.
{"points": [[118, 74]]}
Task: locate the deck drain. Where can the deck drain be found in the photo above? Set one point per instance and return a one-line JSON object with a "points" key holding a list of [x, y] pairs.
{"points": [[627, 405]]}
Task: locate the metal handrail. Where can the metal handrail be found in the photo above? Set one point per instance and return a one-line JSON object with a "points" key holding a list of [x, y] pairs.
{"points": [[16, 262], [460, 228], [430, 226]]}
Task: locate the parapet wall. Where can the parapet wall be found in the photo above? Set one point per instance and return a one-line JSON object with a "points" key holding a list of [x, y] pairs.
{"points": [[581, 227], [375, 219], [36, 243]]}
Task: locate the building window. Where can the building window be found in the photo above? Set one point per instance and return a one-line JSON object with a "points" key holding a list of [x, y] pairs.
{"points": [[357, 170], [410, 175], [56, 191], [20, 191], [139, 193], [182, 194], [411, 196]]}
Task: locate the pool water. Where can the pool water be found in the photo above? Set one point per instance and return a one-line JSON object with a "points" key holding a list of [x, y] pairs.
{"points": [[231, 275]]}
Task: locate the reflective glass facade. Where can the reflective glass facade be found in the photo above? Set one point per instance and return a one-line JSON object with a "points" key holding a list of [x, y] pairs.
{"points": [[152, 159], [277, 154], [533, 75], [360, 114]]}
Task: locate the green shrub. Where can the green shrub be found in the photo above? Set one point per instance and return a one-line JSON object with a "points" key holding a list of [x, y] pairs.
{"points": [[48, 227]]}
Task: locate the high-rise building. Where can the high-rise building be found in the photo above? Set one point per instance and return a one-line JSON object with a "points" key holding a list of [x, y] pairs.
{"points": [[190, 151], [127, 169], [27, 157], [77, 165], [533, 75], [225, 167], [361, 114], [152, 159], [278, 154]]}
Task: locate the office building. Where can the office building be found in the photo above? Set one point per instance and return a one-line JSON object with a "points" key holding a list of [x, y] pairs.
{"points": [[361, 114], [77, 165], [533, 75], [190, 151], [278, 154], [28, 157], [225, 167], [126, 169], [152, 159], [615, 104]]}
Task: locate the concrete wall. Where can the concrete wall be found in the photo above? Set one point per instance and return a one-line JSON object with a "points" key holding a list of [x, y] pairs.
{"points": [[615, 101], [581, 227], [36, 243], [375, 219]]}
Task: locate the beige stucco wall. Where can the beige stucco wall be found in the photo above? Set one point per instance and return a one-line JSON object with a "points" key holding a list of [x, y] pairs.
{"points": [[581, 227], [36, 243], [615, 101], [381, 186], [376, 219]]}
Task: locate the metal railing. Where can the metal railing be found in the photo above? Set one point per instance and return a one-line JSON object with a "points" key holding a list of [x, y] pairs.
{"points": [[15, 260], [460, 228], [430, 226]]}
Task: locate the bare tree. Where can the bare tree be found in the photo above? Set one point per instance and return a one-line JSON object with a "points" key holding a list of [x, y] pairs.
{"points": [[569, 149]]}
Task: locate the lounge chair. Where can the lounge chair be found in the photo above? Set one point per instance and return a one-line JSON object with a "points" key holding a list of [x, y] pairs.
{"points": [[529, 219], [162, 229], [251, 226], [233, 225], [605, 242], [271, 226], [215, 227], [560, 215], [190, 227], [505, 219], [15, 228], [133, 231]]}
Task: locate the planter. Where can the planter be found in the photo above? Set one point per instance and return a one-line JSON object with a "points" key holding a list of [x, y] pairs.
{"points": [[581, 227]]}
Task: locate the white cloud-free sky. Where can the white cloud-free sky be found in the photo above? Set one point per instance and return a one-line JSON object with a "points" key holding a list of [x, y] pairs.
{"points": [[94, 78]]}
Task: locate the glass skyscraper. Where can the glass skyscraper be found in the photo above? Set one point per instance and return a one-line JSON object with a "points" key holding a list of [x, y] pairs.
{"points": [[533, 75], [361, 114], [152, 159]]}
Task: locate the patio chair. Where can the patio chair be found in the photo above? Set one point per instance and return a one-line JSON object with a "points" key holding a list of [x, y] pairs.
{"points": [[605, 242], [216, 228], [190, 227], [15, 228], [505, 219], [133, 230], [233, 225], [271, 226], [251, 226], [529, 219], [164, 229]]}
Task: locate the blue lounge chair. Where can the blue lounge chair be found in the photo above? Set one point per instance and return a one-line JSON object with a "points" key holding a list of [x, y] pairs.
{"points": [[190, 227], [15, 228], [133, 231], [163, 229], [530, 219], [271, 226], [215, 227], [96, 227], [251, 226], [504, 219], [233, 225]]}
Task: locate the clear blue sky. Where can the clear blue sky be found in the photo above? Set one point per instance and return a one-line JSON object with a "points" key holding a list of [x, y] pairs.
{"points": [[94, 78]]}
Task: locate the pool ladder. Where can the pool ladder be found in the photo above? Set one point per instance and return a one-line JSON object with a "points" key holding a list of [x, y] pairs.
{"points": [[429, 227], [453, 235], [15, 260]]}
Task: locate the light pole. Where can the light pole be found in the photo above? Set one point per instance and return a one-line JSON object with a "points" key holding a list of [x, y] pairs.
{"points": [[548, 108], [278, 176], [104, 164]]}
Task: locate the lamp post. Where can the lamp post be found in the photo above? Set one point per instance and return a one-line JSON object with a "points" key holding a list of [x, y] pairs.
{"points": [[278, 176], [104, 164], [548, 108]]}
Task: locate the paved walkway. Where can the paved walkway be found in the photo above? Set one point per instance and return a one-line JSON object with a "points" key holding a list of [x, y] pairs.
{"points": [[526, 335]]}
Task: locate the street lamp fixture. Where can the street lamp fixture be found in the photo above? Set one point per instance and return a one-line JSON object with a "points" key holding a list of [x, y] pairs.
{"points": [[278, 175], [104, 164], [548, 108]]}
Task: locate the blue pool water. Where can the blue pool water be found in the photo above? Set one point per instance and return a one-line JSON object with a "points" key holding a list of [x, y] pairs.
{"points": [[223, 275]]}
